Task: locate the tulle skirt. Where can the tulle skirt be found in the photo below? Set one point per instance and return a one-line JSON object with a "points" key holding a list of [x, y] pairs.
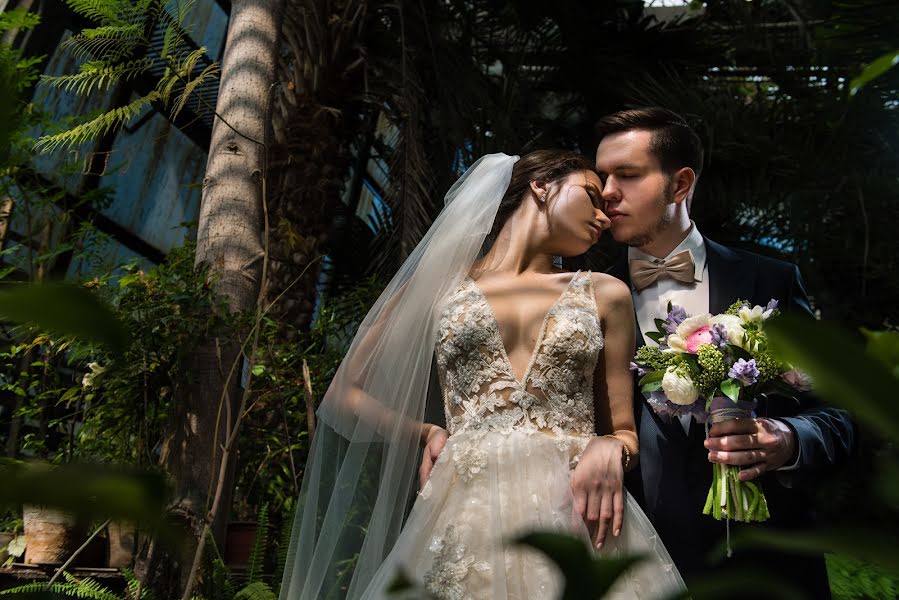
{"points": [[485, 490]]}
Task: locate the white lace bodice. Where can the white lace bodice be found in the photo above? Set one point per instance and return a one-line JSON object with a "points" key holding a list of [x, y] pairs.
{"points": [[480, 389]]}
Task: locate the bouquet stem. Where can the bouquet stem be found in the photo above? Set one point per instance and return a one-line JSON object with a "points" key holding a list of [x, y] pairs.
{"points": [[728, 497]]}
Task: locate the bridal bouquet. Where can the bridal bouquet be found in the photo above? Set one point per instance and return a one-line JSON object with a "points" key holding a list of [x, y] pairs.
{"points": [[715, 367]]}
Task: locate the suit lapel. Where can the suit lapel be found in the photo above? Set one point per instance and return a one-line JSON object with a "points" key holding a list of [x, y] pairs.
{"points": [[730, 276]]}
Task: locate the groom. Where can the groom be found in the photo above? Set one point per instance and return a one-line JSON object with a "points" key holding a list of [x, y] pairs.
{"points": [[649, 161]]}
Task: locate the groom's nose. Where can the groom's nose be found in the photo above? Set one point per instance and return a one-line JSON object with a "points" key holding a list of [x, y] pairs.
{"points": [[611, 193]]}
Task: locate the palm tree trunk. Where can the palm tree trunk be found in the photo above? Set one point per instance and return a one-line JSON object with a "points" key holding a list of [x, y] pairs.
{"points": [[230, 243]]}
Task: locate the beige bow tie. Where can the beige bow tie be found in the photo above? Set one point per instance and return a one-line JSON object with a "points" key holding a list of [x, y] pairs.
{"points": [[679, 267]]}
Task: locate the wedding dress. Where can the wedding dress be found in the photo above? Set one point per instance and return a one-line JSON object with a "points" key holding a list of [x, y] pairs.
{"points": [[505, 469]]}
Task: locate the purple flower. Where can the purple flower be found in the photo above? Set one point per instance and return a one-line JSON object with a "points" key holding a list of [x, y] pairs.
{"points": [[745, 371], [772, 304], [640, 370], [674, 318], [719, 336]]}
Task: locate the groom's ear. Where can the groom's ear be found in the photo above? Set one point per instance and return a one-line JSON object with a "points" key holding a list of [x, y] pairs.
{"points": [[682, 183]]}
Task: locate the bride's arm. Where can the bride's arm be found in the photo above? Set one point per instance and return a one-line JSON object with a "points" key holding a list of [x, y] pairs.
{"points": [[613, 382], [598, 480], [355, 398]]}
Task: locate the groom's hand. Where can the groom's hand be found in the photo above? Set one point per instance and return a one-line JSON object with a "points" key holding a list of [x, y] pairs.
{"points": [[757, 445]]}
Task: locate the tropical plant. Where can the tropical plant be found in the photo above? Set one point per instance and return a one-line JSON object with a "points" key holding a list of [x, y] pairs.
{"points": [[122, 47]]}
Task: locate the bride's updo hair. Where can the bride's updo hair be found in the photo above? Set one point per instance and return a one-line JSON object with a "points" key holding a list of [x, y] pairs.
{"points": [[547, 166]]}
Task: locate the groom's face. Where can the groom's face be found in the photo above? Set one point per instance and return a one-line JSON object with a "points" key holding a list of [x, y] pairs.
{"points": [[636, 191]]}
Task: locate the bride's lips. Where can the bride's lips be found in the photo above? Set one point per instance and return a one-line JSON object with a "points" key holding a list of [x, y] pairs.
{"points": [[596, 230]]}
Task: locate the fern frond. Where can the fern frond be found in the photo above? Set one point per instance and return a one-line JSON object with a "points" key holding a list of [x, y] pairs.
{"points": [[256, 591], [210, 72], [222, 584], [102, 11], [18, 18], [283, 547], [182, 10], [99, 74], [133, 583], [95, 127], [87, 589], [173, 34], [109, 42], [257, 555]]}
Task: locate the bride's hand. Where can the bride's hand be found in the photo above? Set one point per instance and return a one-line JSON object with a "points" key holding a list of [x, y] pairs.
{"points": [[434, 442], [598, 487]]}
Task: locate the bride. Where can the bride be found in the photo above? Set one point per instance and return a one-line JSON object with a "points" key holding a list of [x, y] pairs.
{"points": [[529, 365]]}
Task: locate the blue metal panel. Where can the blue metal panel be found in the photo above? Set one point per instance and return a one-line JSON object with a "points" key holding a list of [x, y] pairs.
{"points": [[156, 173], [63, 105], [208, 26]]}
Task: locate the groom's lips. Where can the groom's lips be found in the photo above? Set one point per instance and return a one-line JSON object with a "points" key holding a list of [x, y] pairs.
{"points": [[614, 215]]}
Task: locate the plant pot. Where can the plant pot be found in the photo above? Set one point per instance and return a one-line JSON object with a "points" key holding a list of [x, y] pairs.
{"points": [[122, 536], [51, 536], [239, 542]]}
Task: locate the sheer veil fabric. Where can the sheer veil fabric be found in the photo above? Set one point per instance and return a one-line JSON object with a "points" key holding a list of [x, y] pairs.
{"points": [[364, 459]]}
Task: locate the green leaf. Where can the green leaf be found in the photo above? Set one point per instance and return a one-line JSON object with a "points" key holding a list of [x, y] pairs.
{"points": [[870, 545], [64, 310], [738, 352], [400, 583], [884, 346], [256, 591], [16, 546], [731, 388], [842, 372], [258, 370], [874, 70], [649, 388], [652, 377], [586, 576], [730, 582], [88, 491], [655, 336]]}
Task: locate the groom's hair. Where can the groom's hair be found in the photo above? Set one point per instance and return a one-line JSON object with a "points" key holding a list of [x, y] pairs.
{"points": [[674, 143]]}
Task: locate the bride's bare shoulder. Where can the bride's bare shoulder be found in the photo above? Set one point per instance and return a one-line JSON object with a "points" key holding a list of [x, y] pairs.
{"points": [[611, 292]]}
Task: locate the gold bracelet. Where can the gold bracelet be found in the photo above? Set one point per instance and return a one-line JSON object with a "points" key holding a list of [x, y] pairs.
{"points": [[625, 452]]}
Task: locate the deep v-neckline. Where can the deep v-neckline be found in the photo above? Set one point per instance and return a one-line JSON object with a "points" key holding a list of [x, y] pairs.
{"points": [[522, 383]]}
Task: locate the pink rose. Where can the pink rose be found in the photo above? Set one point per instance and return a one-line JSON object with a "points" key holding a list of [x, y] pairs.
{"points": [[798, 380], [701, 336]]}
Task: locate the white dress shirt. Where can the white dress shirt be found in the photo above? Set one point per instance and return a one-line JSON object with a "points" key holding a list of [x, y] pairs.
{"points": [[651, 302]]}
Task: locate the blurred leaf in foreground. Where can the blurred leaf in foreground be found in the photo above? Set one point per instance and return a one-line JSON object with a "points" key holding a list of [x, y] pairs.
{"points": [[586, 575], [64, 309], [844, 374]]}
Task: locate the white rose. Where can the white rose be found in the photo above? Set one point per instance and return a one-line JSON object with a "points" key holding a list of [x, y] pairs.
{"points": [[734, 326], [679, 387], [677, 341]]}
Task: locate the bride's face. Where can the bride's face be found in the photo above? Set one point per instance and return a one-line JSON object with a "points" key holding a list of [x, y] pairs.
{"points": [[574, 217]]}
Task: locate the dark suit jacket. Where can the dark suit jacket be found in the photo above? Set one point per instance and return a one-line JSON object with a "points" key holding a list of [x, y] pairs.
{"points": [[674, 474]]}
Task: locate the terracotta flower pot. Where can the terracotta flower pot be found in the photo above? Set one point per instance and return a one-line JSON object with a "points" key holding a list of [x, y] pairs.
{"points": [[51, 536], [239, 543], [122, 536]]}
